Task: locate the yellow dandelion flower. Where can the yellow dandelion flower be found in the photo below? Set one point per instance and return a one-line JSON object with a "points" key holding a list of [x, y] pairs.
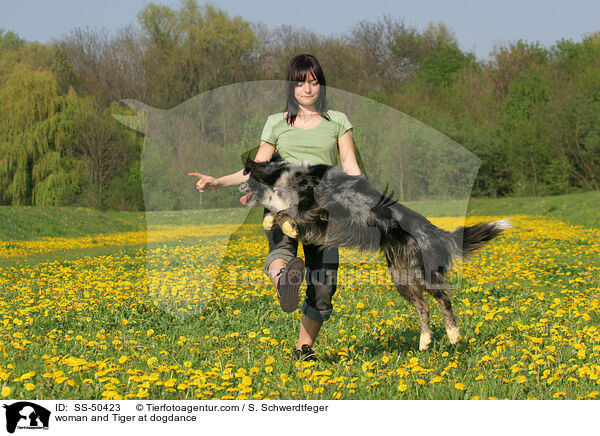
{"points": [[29, 386], [460, 386], [5, 391]]}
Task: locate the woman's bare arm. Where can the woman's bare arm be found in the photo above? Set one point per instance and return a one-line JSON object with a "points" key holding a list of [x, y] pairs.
{"points": [[265, 151], [347, 154]]}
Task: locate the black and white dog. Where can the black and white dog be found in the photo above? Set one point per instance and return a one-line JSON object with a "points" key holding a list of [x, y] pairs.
{"points": [[322, 205]]}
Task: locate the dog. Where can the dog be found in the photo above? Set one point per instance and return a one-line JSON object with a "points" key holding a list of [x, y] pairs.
{"points": [[322, 205]]}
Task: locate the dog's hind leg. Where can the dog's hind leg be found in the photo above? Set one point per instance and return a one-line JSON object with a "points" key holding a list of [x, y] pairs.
{"points": [[423, 311], [446, 306], [414, 294]]}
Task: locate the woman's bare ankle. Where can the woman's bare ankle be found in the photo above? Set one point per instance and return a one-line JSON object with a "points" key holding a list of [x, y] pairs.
{"points": [[275, 270]]}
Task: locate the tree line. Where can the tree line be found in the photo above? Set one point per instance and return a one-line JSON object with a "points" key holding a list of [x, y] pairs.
{"points": [[531, 113]]}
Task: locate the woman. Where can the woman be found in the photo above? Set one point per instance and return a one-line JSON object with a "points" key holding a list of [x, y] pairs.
{"points": [[305, 130]]}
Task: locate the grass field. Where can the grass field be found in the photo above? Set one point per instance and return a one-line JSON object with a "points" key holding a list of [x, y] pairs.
{"points": [[97, 306]]}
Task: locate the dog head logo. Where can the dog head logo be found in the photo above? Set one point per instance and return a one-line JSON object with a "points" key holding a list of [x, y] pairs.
{"points": [[26, 415], [189, 233]]}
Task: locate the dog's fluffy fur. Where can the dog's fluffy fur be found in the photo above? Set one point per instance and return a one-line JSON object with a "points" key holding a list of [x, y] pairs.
{"points": [[322, 205]]}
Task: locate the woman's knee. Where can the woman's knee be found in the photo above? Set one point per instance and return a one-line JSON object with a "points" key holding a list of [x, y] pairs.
{"points": [[316, 314]]}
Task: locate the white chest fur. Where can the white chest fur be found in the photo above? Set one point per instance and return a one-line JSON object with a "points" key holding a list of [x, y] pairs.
{"points": [[274, 202]]}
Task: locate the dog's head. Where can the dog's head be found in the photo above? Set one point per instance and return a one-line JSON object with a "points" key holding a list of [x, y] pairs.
{"points": [[259, 188]]}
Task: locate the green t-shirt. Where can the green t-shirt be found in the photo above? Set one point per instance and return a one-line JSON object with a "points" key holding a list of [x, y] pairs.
{"points": [[316, 145]]}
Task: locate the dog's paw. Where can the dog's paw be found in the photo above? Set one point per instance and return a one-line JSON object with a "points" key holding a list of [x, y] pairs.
{"points": [[453, 334], [424, 341], [269, 221], [289, 228]]}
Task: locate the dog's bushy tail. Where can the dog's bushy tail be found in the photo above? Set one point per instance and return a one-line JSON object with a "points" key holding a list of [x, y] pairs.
{"points": [[469, 239]]}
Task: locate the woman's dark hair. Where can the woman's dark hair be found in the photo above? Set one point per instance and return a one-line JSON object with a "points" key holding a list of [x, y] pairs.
{"points": [[299, 68]]}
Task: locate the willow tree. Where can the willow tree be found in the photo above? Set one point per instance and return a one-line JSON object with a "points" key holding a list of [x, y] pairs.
{"points": [[35, 162]]}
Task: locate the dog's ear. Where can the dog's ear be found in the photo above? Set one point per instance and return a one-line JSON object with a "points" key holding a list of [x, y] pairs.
{"points": [[265, 172], [252, 165], [248, 165], [256, 169], [276, 158]]}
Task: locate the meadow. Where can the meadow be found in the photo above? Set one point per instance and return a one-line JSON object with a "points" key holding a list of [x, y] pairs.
{"points": [[99, 306]]}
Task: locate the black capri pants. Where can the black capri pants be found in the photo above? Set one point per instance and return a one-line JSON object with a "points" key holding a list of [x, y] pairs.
{"points": [[321, 271]]}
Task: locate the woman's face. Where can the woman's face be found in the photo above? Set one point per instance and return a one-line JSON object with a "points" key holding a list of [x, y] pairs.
{"points": [[307, 92]]}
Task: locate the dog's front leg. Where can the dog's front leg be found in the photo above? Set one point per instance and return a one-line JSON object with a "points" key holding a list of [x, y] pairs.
{"points": [[269, 221], [287, 224]]}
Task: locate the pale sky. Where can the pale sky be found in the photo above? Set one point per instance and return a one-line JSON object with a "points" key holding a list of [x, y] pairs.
{"points": [[478, 24]]}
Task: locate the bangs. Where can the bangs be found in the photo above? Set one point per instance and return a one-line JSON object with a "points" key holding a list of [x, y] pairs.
{"points": [[300, 74], [303, 67]]}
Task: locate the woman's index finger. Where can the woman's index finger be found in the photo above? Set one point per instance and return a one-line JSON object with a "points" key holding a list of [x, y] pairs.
{"points": [[195, 174]]}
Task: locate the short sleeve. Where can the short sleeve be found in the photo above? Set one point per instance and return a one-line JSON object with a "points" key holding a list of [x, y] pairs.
{"points": [[343, 125], [267, 134]]}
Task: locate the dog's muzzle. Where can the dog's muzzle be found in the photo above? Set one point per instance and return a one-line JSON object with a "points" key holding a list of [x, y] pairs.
{"points": [[245, 187]]}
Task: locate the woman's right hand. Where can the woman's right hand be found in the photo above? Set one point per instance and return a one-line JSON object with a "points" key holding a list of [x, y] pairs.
{"points": [[205, 182]]}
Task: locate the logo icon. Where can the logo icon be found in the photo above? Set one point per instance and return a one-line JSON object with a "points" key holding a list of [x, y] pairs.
{"points": [[26, 415]]}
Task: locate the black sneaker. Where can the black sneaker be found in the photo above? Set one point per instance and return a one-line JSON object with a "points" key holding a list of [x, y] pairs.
{"points": [[306, 353], [290, 279]]}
